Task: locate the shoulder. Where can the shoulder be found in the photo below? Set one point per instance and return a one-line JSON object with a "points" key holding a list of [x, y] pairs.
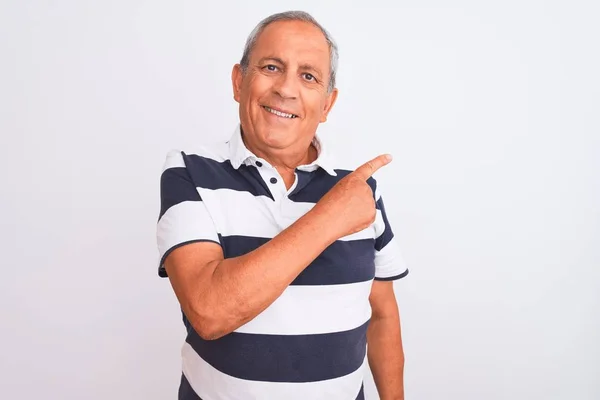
{"points": [[197, 157]]}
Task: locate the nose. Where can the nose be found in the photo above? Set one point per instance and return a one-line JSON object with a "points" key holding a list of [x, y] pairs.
{"points": [[286, 86]]}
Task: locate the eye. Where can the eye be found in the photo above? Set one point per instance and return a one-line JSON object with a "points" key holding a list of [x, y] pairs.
{"points": [[271, 67], [309, 77]]}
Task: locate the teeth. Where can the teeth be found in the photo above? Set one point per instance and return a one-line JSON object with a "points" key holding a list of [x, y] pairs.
{"points": [[279, 113]]}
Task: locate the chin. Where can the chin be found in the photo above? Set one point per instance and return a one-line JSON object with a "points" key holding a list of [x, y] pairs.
{"points": [[278, 137]]}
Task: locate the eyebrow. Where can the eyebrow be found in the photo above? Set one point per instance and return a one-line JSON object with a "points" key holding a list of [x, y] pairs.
{"points": [[308, 67], [276, 59], [305, 67]]}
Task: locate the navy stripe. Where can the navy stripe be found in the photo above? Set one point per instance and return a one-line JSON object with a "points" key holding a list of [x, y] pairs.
{"points": [[387, 234], [393, 278], [284, 358], [342, 262], [185, 390], [320, 183], [235, 246], [176, 187], [361, 393], [304, 178], [207, 173]]}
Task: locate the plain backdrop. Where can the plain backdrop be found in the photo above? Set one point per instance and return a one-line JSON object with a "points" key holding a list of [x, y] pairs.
{"points": [[491, 110]]}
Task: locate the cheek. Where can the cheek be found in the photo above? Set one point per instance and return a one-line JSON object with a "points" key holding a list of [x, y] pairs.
{"points": [[322, 106], [315, 103], [258, 85]]}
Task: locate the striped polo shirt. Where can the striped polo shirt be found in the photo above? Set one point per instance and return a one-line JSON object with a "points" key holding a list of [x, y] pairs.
{"points": [[310, 343]]}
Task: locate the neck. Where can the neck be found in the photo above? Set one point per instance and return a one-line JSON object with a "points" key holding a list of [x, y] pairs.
{"points": [[285, 161]]}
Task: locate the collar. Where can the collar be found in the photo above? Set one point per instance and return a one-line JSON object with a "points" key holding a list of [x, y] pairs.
{"points": [[240, 155]]}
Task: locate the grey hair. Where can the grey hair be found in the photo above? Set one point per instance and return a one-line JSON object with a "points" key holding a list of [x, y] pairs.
{"points": [[292, 16]]}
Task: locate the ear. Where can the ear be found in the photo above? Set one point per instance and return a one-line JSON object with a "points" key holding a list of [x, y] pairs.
{"points": [[236, 81], [329, 102]]}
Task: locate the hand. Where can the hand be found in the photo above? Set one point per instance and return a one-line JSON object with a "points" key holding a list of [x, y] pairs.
{"points": [[349, 206]]}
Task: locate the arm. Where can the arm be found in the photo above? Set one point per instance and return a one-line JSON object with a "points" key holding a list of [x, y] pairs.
{"points": [[219, 295], [384, 339]]}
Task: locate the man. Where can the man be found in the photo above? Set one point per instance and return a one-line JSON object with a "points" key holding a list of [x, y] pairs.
{"points": [[283, 264]]}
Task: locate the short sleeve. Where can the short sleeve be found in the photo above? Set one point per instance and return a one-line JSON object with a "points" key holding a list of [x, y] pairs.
{"points": [[389, 261], [183, 217]]}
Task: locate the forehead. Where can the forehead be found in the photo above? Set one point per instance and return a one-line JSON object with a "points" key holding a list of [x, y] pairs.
{"points": [[294, 42]]}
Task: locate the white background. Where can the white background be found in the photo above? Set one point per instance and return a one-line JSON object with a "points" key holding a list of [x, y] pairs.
{"points": [[491, 110]]}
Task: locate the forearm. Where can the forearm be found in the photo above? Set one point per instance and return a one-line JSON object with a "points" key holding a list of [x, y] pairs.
{"points": [[237, 289], [386, 356]]}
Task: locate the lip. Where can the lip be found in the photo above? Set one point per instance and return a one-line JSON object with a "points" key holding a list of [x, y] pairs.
{"points": [[280, 110]]}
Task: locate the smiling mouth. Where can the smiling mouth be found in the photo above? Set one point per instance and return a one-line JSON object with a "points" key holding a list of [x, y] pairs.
{"points": [[280, 113]]}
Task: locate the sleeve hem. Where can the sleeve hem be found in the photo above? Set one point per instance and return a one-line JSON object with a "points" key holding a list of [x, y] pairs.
{"points": [[393, 278], [161, 268]]}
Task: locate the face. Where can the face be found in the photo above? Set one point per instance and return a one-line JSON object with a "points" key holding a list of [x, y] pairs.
{"points": [[283, 94]]}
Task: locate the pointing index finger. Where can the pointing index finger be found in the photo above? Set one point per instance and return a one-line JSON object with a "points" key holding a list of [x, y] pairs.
{"points": [[366, 170]]}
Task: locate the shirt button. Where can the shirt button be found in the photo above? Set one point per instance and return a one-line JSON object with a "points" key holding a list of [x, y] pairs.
{"points": [[258, 164], [273, 180]]}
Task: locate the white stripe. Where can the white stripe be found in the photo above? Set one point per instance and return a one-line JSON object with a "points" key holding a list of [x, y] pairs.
{"points": [[389, 261], [173, 160], [379, 224], [241, 213], [314, 309], [218, 152], [184, 222], [211, 384]]}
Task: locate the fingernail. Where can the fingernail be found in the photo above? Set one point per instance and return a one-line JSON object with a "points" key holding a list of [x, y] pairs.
{"points": [[389, 157]]}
